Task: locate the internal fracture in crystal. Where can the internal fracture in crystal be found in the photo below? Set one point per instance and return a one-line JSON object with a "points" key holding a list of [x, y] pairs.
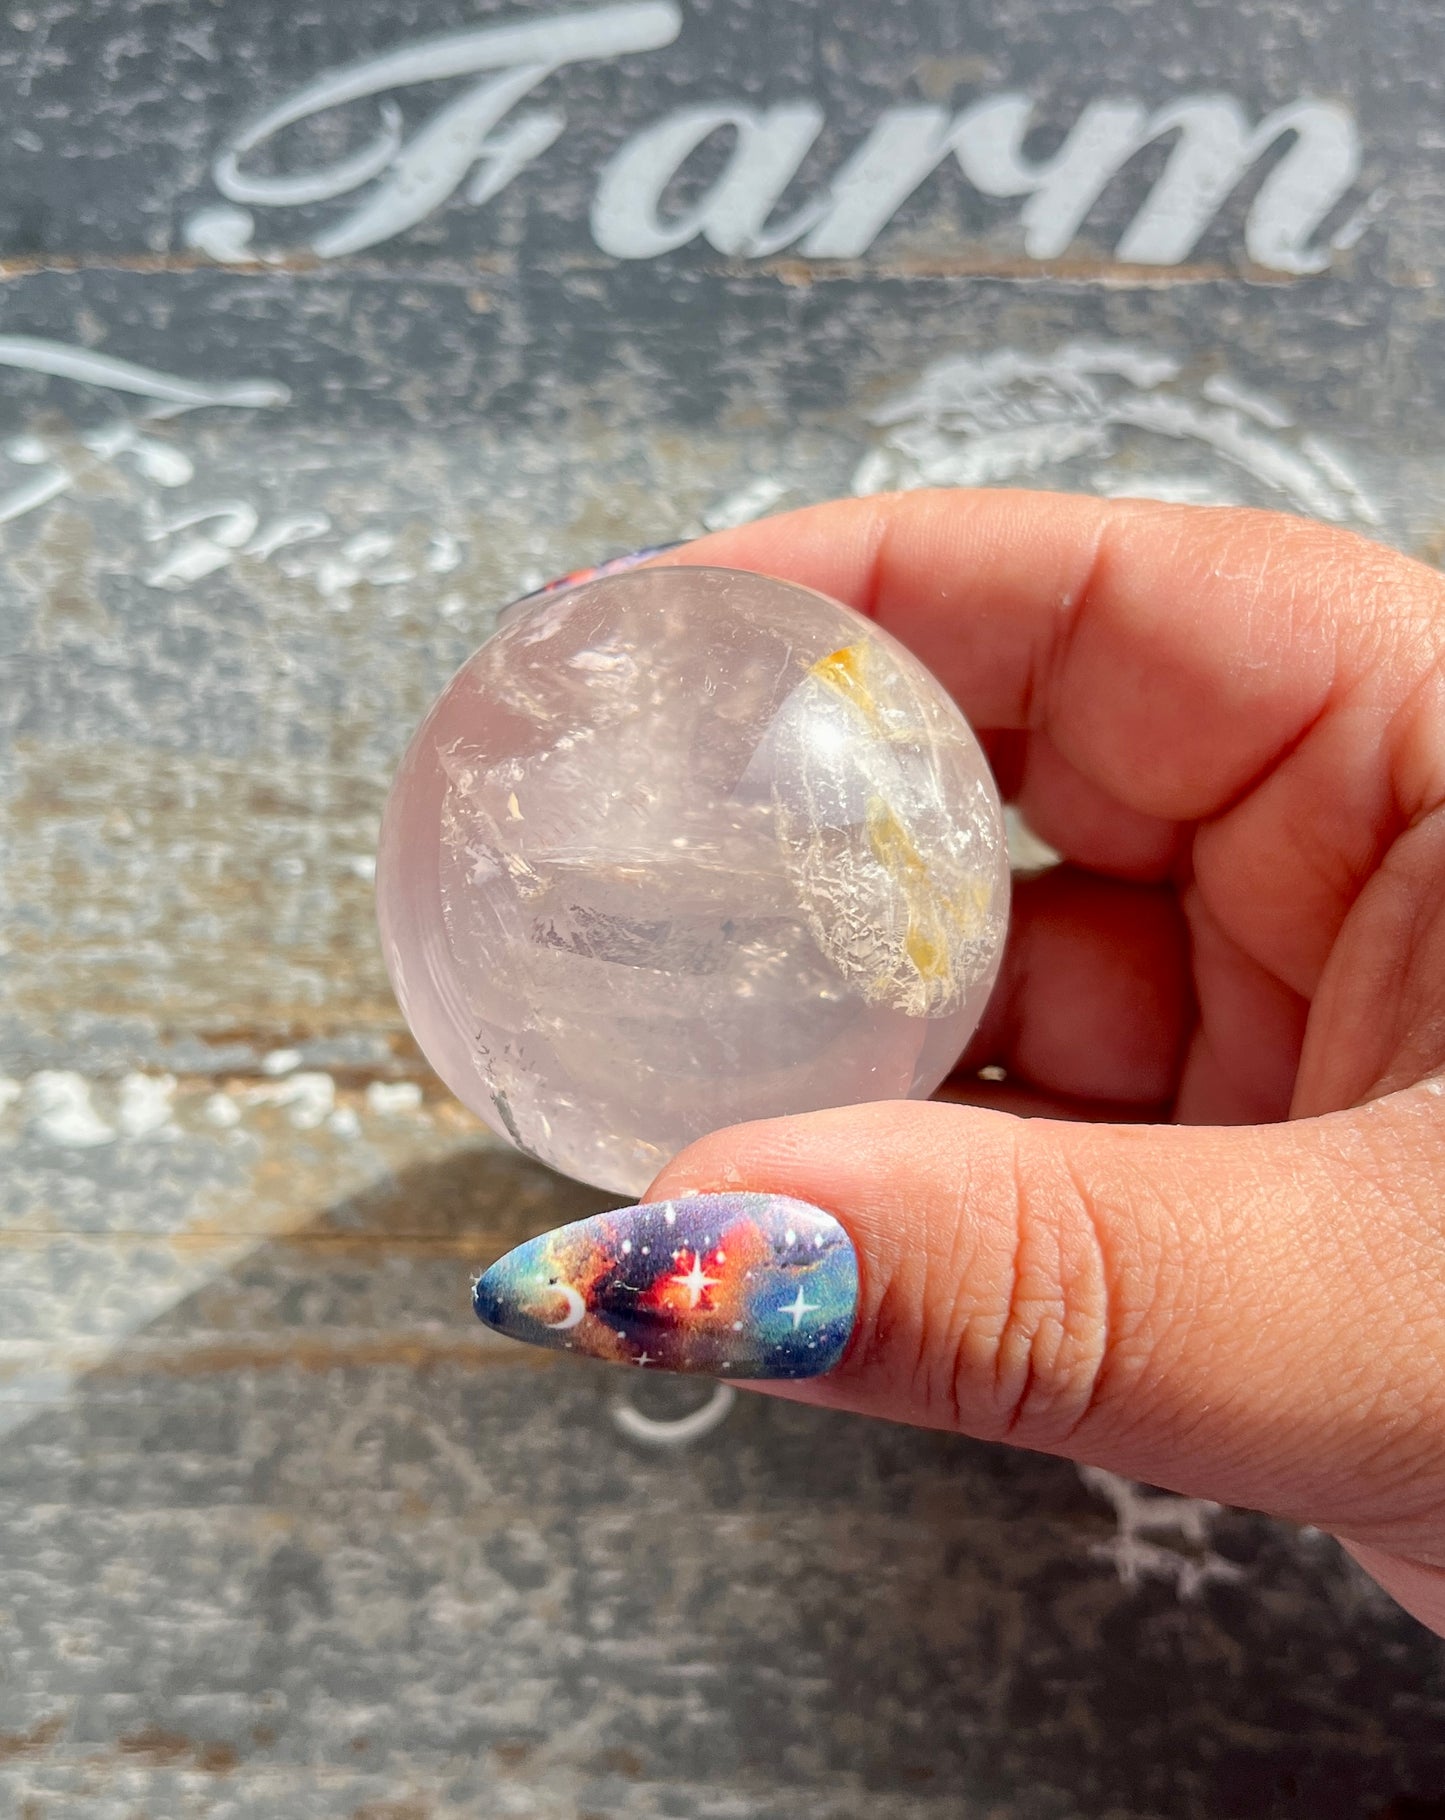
{"points": [[683, 847]]}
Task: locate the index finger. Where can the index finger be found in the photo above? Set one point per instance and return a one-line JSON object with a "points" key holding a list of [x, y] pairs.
{"points": [[1172, 654]]}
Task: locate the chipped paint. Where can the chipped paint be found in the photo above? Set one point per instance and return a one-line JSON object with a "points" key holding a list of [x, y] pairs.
{"points": [[391, 1097], [63, 1112], [1138, 1513]]}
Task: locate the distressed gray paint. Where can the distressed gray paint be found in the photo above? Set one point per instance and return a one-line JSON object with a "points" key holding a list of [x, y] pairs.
{"points": [[280, 1531]]}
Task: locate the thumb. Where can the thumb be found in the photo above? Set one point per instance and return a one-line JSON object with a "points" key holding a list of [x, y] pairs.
{"points": [[1248, 1314]]}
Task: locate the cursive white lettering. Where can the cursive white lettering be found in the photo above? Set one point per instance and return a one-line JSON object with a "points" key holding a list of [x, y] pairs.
{"points": [[469, 144], [420, 175], [907, 145], [1216, 148], [733, 215]]}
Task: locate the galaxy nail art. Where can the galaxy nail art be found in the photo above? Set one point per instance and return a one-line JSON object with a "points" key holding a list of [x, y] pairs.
{"points": [[729, 1285], [576, 578]]}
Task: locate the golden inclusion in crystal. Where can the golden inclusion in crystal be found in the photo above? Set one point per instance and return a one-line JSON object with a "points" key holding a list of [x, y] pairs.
{"points": [[682, 847]]}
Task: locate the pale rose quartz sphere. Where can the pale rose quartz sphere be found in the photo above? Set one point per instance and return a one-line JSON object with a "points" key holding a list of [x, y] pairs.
{"points": [[684, 847]]}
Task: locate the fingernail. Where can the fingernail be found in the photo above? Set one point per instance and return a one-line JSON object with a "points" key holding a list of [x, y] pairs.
{"points": [[729, 1285], [576, 578]]}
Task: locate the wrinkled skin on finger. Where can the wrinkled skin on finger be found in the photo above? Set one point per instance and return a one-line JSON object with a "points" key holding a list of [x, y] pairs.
{"points": [[1194, 1234]]}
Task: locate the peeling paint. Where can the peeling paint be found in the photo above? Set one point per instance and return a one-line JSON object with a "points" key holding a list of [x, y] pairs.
{"points": [[63, 1113]]}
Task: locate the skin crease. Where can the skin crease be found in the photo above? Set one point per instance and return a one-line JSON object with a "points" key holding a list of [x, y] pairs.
{"points": [[1196, 1237]]}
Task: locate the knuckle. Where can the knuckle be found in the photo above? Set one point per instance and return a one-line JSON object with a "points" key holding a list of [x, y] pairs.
{"points": [[1032, 1342]]}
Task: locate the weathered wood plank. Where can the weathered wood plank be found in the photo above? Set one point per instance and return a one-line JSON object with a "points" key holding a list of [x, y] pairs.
{"points": [[282, 1532]]}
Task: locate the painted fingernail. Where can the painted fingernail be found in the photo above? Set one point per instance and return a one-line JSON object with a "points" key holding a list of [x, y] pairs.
{"points": [[730, 1285], [576, 578]]}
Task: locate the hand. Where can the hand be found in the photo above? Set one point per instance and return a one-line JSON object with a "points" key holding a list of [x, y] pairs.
{"points": [[1230, 1280]]}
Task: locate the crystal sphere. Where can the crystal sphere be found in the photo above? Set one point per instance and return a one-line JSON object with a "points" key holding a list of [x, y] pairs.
{"points": [[682, 847]]}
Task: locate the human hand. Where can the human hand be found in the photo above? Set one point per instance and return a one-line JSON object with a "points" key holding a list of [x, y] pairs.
{"points": [[1210, 1256], [1231, 1280]]}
